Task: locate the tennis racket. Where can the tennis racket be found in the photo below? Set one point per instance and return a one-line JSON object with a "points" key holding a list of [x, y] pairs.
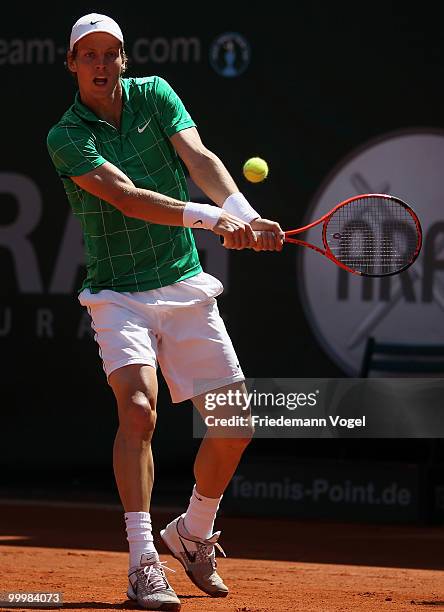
{"points": [[373, 234]]}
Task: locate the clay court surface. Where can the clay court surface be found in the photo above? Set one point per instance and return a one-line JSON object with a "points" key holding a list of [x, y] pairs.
{"points": [[272, 566]]}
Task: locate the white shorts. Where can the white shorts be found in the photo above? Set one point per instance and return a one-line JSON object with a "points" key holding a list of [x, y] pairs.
{"points": [[178, 327]]}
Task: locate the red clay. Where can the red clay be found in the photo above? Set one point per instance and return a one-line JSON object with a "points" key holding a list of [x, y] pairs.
{"points": [[272, 566]]}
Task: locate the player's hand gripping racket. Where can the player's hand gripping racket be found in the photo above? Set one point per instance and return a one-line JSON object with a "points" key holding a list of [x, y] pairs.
{"points": [[372, 235]]}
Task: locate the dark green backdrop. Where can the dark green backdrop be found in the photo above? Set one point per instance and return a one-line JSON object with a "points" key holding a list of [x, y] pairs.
{"points": [[323, 78]]}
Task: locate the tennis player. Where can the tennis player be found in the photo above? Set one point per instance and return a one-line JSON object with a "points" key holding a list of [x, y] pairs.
{"points": [[117, 151]]}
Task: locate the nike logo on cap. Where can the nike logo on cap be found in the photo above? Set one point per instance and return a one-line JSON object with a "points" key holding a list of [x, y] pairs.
{"points": [[195, 223], [94, 22]]}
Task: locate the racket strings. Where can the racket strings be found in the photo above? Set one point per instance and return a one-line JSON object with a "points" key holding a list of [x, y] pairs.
{"points": [[373, 235]]}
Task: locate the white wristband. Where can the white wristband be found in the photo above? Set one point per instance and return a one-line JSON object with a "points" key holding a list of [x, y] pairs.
{"points": [[201, 216], [236, 204]]}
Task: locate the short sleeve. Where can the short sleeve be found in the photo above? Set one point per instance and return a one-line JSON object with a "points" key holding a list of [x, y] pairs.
{"points": [[73, 150], [173, 115]]}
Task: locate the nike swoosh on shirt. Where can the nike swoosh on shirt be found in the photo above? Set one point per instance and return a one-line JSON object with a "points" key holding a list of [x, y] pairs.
{"points": [[140, 129], [199, 221]]}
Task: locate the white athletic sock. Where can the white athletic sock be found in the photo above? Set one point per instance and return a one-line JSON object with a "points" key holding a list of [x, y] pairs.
{"points": [[200, 515], [139, 535]]}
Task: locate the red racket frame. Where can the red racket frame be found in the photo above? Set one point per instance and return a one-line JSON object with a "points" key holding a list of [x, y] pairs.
{"points": [[325, 219]]}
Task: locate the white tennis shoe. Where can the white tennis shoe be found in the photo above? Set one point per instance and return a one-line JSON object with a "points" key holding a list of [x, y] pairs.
{"points": [[197, 556], [147, 584]]}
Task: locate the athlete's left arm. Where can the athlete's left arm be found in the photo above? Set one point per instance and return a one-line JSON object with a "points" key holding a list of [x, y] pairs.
{"points": [[205, 168], [210, 175]]}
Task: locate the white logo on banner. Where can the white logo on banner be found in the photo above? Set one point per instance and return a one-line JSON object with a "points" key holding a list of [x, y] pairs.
{"points": [[343, 309]]}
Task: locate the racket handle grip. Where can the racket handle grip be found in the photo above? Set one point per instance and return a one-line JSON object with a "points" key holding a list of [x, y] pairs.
{"points": [[258, 233]]}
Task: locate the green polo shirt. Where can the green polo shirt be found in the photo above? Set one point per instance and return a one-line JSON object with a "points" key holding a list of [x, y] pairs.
{"points": [[123, 253]]}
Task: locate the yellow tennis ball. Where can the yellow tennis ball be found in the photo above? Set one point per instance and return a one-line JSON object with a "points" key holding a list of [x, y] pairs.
{"points": [[255, 169]]}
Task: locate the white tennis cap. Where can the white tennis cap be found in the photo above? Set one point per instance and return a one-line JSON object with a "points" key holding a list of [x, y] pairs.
{"points": [[94, 23]]}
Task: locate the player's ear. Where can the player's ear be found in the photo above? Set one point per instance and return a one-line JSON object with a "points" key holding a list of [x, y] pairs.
{"points": [[70, 61], [124, 60]]}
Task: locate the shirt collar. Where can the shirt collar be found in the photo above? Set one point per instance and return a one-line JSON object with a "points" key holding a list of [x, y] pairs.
{"points": [[129, 105]]}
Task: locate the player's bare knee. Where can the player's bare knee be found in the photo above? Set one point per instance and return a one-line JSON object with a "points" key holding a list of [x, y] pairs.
{"points": [[236, 443], [243, 437], [241, 442], [137, 414]]}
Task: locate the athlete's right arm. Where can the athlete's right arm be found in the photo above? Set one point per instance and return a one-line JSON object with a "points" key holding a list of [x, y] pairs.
{"points": [[109, 183]]}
